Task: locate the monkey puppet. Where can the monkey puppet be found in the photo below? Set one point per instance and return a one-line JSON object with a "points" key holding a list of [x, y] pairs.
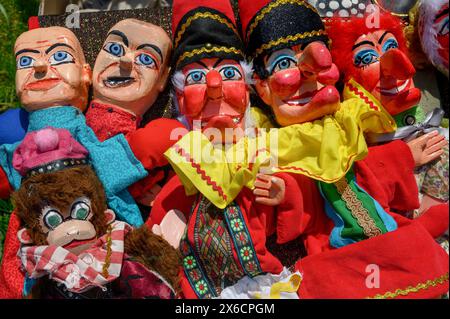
{"points": [[293, 69], [70, 241], [377, 58]]}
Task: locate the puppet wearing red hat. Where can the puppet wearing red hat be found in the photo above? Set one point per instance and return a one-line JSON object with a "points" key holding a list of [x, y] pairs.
{"points": [[264, 42], [221, 246]]}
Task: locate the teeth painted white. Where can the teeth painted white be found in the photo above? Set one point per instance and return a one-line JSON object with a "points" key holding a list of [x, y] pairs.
{"points": [[236, 120], [397, 89], [299, 102]]}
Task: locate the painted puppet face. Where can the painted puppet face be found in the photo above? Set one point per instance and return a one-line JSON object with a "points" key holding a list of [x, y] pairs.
{"points": [[51, 69], [385, 71], [215, 93], [441, 25], [132, 67], [300, 86]]}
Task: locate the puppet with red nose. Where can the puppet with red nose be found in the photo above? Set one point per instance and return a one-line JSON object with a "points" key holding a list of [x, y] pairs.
{"points": [[295, 74], [210, 69]]}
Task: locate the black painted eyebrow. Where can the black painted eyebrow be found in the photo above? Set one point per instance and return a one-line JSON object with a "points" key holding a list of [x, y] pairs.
{"points": [[443, 13], [58, 45], [383, 36], [362, 43], [120, 34], [154, 47], [26, 50]]}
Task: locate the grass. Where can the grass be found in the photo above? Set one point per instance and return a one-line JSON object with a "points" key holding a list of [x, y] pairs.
{"points": [[14, 16]]}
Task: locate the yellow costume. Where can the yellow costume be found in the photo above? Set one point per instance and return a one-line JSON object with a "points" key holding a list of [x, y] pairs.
{"points": [[323, 150]]}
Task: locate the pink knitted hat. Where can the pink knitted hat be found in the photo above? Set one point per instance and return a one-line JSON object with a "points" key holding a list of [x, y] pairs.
{"points": [[48, 150]]}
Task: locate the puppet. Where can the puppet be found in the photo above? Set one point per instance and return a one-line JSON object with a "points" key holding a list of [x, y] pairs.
{"points": [[221, 245], [67, 225], [52, 82], [376, 58], [129, 73], [433, 32], [293, 69]]}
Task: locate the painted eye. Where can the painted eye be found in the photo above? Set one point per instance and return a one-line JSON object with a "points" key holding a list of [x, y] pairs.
{"points": [[364, 58], [146, 60], [52, 219], [283, 63], [25, 62], [61, 57], [443, 27], [196, 77], [230, 73], [114, 48], [390, 44], [80, 210]]}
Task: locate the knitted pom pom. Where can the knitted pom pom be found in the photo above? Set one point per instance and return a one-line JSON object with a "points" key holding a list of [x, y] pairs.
{"points": [[46, 140]]}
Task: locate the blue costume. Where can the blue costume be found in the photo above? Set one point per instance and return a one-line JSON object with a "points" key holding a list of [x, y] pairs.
{"points": [[13, 125], [113, 161]]}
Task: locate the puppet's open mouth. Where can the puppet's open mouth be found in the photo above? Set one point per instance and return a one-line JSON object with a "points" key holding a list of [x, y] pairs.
{"points": [[397, 89], [118, 81], [76, 243], [301, 100]]}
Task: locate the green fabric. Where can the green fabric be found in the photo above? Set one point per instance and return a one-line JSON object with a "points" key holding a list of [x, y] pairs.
{"points": [[416, 111], [351, 227], [6, 209]]}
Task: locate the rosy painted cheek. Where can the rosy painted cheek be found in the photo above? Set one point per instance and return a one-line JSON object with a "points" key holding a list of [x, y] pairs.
{"points": [[194, 100], [285, 83], [369, 77], [236, 94]]}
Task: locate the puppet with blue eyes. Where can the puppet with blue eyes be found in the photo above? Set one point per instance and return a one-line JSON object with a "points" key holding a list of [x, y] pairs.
{"points": [[376, 57], [130, 72], [52, 83]]}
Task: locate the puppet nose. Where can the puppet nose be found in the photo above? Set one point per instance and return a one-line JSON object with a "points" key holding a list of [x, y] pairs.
{"points": [[214, 84], [126, 63], [394, 63], [40, 67], [315, 58]]}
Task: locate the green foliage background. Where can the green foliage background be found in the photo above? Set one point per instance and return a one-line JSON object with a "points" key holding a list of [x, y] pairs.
{"points": [[14, 16]]}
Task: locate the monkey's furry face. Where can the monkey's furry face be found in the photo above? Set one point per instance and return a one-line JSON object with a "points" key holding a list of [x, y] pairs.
{"points": [[46, 200]]}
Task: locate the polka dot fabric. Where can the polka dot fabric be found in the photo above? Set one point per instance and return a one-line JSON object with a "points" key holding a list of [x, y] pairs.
{"points": [[342, 8]]}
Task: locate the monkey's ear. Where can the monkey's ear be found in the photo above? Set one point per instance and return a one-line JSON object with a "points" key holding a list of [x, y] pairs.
{"points": [[24, 236], [110, 216]]}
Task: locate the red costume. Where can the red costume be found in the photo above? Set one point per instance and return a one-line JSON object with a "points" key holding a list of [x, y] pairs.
{"points": [[386, 174]]}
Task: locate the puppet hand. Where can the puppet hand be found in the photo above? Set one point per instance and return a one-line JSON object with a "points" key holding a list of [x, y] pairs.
{"points": [[270, 190], [427, 148], [171, 228], [149, 196]]}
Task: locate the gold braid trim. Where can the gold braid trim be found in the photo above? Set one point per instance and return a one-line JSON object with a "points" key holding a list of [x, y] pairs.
{"points": [[209, 50], [203, 15], [357, 209], [289, 38], [410, 289], [272, 6], [105, 272]]}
